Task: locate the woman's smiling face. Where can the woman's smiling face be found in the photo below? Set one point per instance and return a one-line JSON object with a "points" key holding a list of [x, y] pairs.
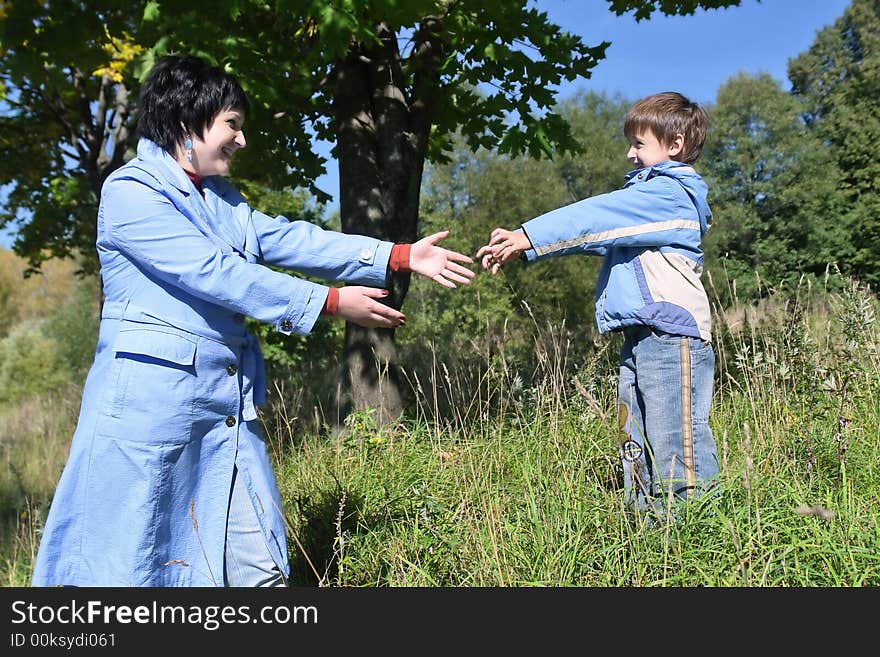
{"points": [[212, 154]]}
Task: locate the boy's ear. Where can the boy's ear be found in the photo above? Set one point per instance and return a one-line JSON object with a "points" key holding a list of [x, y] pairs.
{"points": [[677, 145]]}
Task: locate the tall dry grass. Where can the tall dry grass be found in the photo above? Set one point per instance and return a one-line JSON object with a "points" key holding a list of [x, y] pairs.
{"points": [[35, 436], [505, 475]]}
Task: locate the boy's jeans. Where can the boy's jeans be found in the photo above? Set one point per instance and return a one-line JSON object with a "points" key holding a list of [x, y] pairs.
{"points": [[664, 396]]}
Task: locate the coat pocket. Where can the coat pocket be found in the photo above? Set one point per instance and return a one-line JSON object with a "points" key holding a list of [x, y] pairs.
{"points": [[154, 389]]}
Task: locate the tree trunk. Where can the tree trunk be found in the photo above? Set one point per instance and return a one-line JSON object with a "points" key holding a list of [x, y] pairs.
{"points": [[381, 140]]}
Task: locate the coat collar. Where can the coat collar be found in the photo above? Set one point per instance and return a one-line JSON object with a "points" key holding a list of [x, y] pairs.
{"points": [[663, 167], [151, 152], [687, 177]]}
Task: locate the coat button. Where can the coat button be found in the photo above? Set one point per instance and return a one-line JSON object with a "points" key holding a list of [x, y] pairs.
{"points": [[231, 369], [366, 254], [286, 325], [230, 421]]}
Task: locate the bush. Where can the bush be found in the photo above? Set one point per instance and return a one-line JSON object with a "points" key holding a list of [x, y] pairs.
{"points": [[74, 327], [30, 362]]}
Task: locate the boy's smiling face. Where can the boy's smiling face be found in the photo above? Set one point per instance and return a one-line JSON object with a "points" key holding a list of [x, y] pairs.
{"points": [[645, 150]]}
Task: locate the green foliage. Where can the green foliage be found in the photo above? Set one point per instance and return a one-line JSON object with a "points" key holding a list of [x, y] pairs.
{"points": [[73, 327], [41, 354], [8, 312], [294, 204], [643, 9], [25, 296], [773, 189], [839, 80], [597, 125], [30, 362], [309, 40], [65, 119], [34, 445]]}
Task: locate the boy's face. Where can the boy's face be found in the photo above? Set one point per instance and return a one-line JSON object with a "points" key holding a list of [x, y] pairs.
{"points": [[645, 150]]}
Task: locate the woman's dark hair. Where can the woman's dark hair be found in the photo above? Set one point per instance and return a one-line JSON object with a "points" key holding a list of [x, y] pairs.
{"points": [[181, 95]]}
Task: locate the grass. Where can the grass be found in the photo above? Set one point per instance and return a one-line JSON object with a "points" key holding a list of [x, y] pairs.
{"points": [[509, 478], [34, 440], [536, 507]]}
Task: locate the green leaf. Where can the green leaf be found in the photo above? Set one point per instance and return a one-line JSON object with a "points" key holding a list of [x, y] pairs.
{"points": [[152, 11]]}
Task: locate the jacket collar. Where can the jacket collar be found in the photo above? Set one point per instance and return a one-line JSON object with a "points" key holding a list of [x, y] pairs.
{"points": [[663, 167], [151, 152], [687, 177]]}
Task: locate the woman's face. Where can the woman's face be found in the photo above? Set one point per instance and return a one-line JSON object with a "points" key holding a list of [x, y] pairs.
{"points": [[212, 154]]}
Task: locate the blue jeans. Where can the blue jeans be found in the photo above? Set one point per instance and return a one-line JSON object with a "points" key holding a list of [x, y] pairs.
{"points": [[664, 397], [248, 561]]}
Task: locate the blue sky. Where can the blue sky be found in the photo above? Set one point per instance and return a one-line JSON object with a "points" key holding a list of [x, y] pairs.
{"points": [[693, 54]]}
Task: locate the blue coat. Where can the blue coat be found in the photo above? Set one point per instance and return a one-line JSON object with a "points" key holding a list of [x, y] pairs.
{"points": [[650, 234], [169, 405]]}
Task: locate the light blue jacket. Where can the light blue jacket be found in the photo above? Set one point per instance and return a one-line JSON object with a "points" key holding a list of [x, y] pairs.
{"points": [[169, 405], [650, 234]]}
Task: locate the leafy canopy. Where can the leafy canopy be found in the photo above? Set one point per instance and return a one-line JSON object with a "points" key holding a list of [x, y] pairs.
{"points": [[69, 75]]}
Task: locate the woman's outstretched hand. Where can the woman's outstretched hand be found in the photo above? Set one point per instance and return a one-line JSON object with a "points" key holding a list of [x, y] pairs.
{"points": [[357, 304], [437, 263]]}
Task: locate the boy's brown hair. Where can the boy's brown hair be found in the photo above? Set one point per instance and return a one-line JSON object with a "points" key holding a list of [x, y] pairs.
{"points": [[666, 115]]}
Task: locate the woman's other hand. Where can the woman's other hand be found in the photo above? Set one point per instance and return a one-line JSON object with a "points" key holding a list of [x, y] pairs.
{"points": [[357, 304]]}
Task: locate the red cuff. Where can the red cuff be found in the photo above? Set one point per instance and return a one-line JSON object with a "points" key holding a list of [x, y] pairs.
{"points": [[331, 305], [399, 260]]}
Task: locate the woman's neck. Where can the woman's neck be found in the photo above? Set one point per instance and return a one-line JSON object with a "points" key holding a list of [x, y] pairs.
{"points": [[196, 178]]}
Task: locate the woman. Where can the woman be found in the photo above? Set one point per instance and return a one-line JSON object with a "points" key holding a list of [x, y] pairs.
{"points": [[168, 482]]}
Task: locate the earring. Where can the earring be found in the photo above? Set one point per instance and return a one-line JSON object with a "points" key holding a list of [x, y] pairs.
{"points": [[188, 145]]}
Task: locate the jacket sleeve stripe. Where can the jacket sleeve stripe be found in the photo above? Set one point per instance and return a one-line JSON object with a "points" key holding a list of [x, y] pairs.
{"points": [[619, 233]]}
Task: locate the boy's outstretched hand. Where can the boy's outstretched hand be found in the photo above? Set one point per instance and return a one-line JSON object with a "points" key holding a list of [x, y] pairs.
{"points": [[504, 245], [437, 263]]}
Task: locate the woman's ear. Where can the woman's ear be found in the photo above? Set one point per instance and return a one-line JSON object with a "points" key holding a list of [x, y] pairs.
{"points": [[677, 145]]}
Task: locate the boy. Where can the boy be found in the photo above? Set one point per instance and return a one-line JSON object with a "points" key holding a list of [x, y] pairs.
{"points": [[649, 288]]}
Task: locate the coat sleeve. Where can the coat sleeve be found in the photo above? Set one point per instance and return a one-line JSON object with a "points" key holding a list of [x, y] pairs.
{"points": [[304, 247], [653, 214], [311, 250], [143, 224]]}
